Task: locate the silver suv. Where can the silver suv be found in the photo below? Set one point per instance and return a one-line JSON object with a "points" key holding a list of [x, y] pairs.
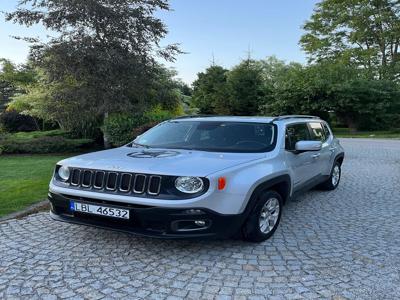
{"points": [[199, 176]]}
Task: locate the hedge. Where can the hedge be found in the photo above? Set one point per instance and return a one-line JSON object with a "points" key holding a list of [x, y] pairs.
{"points": [[41, 142]]}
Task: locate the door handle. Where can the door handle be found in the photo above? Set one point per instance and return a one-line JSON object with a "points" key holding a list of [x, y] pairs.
{"points": [[316, 155]]}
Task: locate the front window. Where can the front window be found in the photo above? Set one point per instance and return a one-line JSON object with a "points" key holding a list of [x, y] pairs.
{"points": [[295, 133], [210, 136]]}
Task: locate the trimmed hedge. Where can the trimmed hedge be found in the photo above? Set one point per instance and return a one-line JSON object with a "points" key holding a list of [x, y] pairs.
{"points": [[41, 142]]}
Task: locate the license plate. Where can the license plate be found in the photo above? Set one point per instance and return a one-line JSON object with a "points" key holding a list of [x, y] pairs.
{"points": [[100, 210]]}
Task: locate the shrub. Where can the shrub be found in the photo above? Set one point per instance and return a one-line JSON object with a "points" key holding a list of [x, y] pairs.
{"points": [[11, 121], [54, 141], [118, 127], [143, 128], [121, 128]]}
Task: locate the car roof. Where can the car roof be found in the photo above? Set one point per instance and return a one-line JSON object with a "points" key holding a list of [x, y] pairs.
{"points": [[252, 119]]}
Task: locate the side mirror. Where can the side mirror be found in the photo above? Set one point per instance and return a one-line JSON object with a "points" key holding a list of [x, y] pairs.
{"points": [[302, 146]]}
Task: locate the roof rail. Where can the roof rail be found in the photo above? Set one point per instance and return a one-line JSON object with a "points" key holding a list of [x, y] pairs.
{"points": [[280, 118], [193, 116]]}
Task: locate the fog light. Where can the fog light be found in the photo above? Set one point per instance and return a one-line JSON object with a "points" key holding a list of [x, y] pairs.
{"points": [[200, 223]]}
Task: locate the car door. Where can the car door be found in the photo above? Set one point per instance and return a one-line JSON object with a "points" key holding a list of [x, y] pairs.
{"points": [[303, 164], [317, 132]]}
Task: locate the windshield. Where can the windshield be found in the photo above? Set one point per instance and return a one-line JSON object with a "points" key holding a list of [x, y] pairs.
{"points": [[210, 136]]}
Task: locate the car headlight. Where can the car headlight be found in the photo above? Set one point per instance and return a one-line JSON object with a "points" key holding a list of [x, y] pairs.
{"points": [[63, 173], [189, 185]]}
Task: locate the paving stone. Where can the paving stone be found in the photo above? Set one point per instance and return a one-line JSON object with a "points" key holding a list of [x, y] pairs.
{"points": [[343, 244]]}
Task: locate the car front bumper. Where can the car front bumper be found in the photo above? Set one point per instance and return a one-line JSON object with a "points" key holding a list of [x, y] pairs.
{"points": [[150, 220]]}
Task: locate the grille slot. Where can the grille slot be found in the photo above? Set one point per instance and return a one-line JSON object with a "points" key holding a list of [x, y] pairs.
{"points": [[87, 178], [99, 179], [154, 185], [125, 184], [140, 184], [111, 183], [76, 177]]}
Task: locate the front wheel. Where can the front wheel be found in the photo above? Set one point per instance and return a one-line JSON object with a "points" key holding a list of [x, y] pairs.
{"points": [[334, 179], [265, 217]]}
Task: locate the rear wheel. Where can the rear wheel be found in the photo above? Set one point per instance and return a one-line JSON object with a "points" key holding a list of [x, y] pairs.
{"points": [[265, 217], [334, 179]]}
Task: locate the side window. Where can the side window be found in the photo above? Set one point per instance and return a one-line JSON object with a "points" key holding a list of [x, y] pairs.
{"points": [[317, 132], [326, 130], [295, 133]]}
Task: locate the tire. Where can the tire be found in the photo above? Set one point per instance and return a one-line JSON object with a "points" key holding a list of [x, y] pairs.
{"points": [[256, 227], [334, 179]]}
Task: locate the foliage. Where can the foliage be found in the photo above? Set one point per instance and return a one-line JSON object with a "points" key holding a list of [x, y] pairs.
{"points": [[54, 141], [103, 58], [355, 99], [12, 121], [239, 91], [272, 87], [360, 33], [24, 180], [210, 91], [118, 127], [123, 128], [246, 88], [13, 80]]}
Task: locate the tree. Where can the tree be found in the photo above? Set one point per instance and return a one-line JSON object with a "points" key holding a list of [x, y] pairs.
{"points": [[14, 80], [102, 60], [361, 33], [210, 91], [358, 101], [246, 88]]}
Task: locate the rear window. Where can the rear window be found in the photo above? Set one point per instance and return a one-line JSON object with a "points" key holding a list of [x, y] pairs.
{"points": [[317, 132]]}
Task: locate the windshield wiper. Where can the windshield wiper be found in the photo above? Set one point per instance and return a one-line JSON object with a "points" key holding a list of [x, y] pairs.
{"points": [[140, 145]]}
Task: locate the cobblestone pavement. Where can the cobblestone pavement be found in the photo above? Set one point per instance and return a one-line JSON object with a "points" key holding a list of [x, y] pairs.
{"points": [[332, 245]]}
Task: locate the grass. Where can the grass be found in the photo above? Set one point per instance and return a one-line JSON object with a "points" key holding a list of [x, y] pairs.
{"points": [[37, 134], [388, 134], [24, 180]]}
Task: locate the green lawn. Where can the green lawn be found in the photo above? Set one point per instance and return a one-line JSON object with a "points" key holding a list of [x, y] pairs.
{"points": [[24, 180], [345, 133]]}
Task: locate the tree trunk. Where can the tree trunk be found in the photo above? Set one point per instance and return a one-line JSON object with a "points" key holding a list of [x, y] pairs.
{"points": [[36, 124], [106, 141], [352, 124], [349, 120]]}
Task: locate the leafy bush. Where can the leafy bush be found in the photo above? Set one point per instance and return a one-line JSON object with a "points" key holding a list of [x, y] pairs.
{"points": [[12, 121], [54, 141], [120, 128]]}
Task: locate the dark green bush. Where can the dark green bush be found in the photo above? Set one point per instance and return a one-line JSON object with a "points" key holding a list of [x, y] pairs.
{"points": [[40, 143], [121, 128], [11, 121]]}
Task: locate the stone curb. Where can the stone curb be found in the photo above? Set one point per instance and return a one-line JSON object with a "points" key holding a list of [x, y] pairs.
{"points": [[34, 208]]}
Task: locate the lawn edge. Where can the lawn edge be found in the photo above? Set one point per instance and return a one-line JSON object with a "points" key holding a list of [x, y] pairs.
{"points": [[32, 209]]}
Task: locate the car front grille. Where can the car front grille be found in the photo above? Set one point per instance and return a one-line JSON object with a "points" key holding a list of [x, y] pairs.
{"points": [[116, 182]]}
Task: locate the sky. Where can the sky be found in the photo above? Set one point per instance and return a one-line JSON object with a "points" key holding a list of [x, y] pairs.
{"points": [[223, 31]]}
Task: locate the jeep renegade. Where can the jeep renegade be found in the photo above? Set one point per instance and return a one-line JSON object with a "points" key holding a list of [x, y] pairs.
{"points": [[199, 176]]}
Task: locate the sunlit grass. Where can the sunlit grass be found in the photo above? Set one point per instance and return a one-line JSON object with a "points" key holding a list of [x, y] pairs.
{"points": [[24, 180]]}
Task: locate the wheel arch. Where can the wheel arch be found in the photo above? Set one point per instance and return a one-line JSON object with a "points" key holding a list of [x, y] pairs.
{"points": [[280, 184], [339, 158]]}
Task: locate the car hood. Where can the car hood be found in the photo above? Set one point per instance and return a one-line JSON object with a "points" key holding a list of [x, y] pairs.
{"points": [[160, 161]]}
